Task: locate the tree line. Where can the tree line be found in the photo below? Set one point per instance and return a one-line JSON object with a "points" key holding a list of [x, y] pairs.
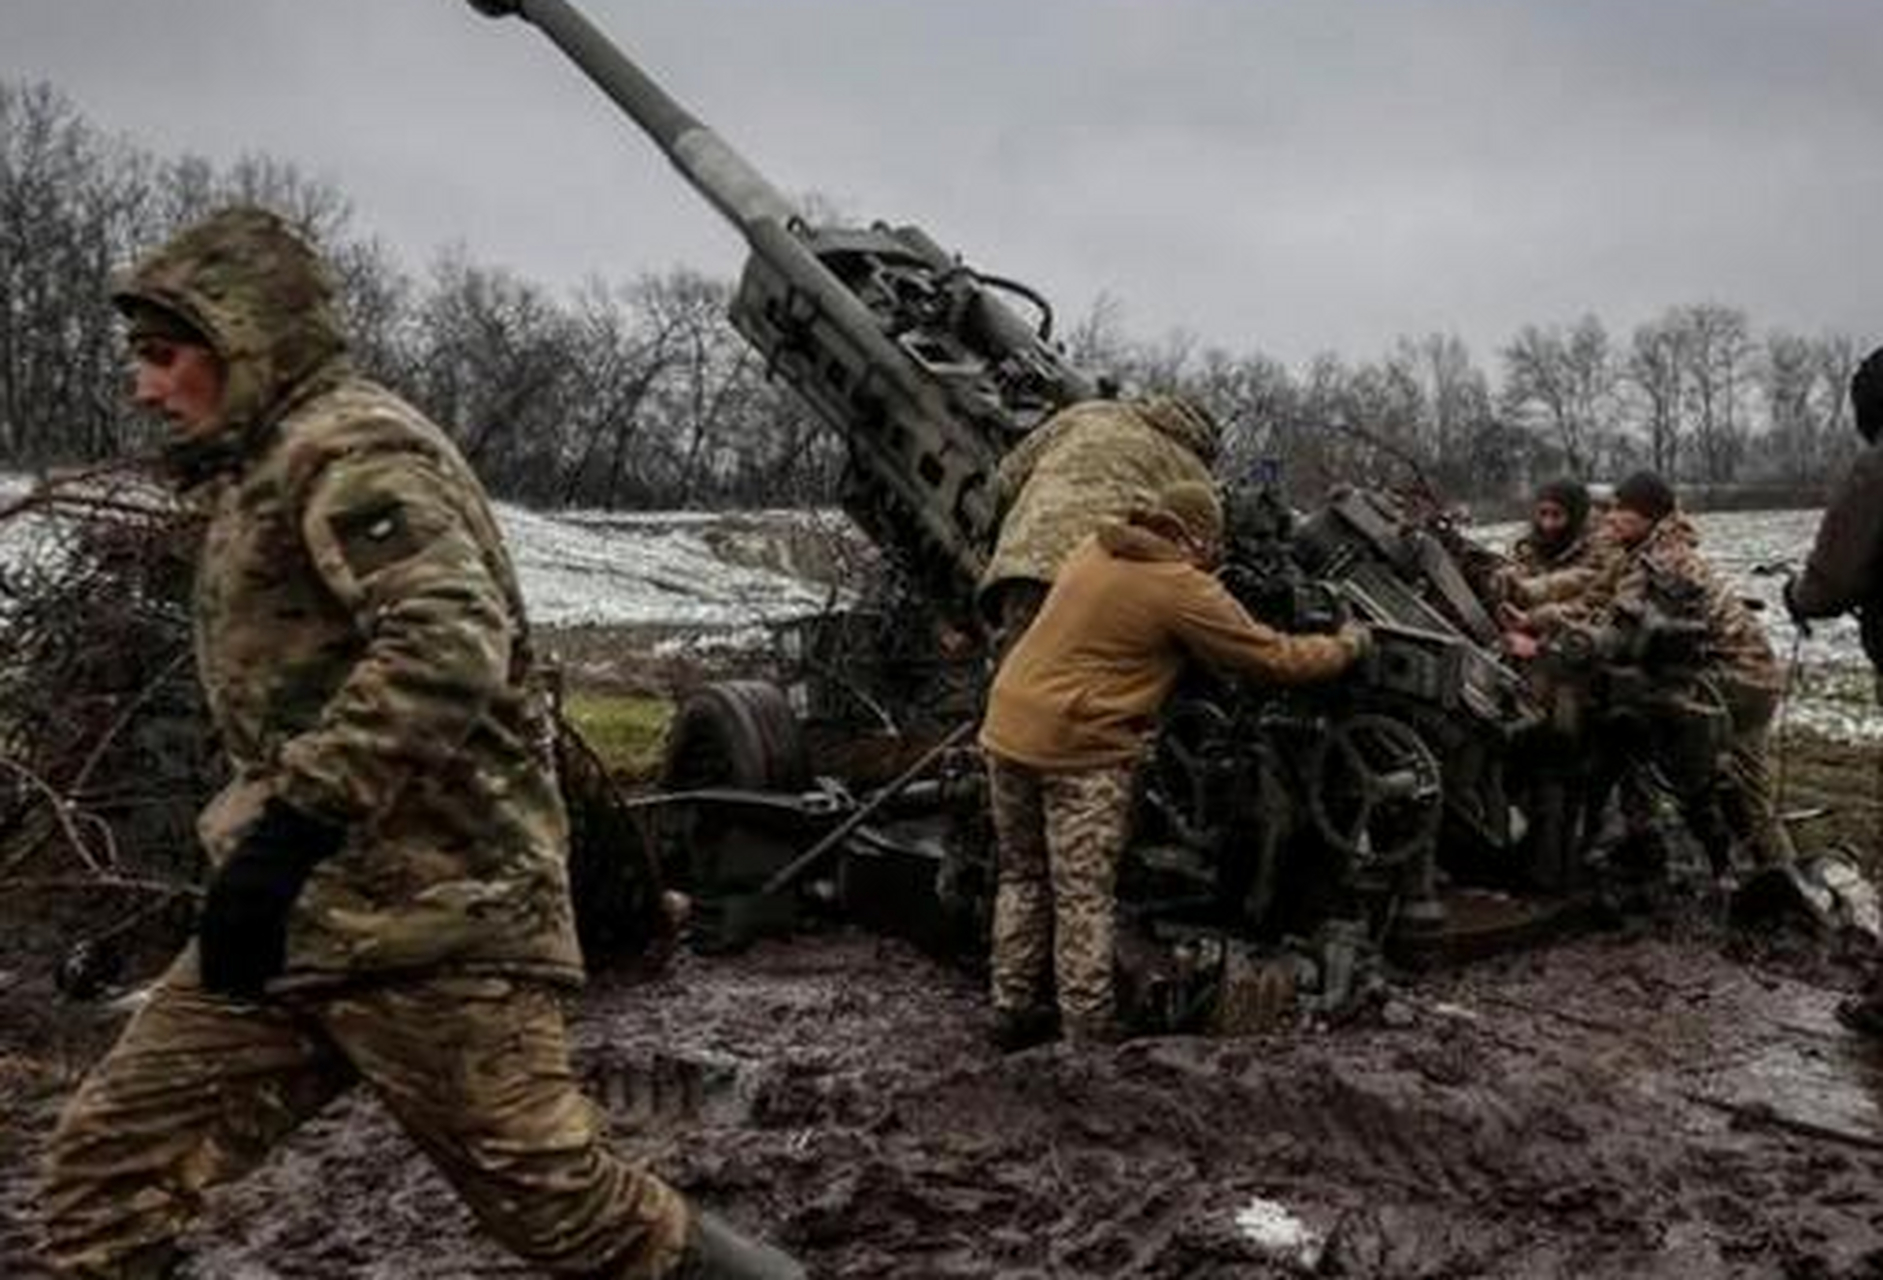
{"points": [[638, 393]]}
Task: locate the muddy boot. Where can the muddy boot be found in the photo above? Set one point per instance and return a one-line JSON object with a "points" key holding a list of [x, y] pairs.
{"points": [[716, 1250], [1017, 1029]]}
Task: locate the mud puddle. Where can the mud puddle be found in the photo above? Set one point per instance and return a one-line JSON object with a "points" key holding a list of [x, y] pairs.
{"points": [[1608, 1107]]}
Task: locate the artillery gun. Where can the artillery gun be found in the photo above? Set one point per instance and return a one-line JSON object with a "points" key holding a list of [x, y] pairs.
{"points": [[911, 356], [1310, 826]]}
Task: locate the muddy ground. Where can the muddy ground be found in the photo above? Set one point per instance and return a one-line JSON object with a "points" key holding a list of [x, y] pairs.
{"points": [[1630, 1103], [1656, 1099]]}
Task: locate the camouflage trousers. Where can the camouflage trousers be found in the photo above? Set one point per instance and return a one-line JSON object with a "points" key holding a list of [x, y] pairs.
{"points": [[1743, 787], [198, 1089], [1061, 836]]}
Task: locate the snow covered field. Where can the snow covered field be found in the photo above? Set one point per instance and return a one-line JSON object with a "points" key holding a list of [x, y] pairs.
{"points": [[669, 569], [736, 573]]}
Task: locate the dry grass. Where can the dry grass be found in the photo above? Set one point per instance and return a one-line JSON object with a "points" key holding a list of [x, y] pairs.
{"points": [[628, 731], [1843, 779]]}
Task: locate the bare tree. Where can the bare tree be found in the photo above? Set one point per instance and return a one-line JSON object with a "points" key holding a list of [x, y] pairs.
{"points": [[616, 364], [495, 364], [1717, 346], [1097, 341], [376, 297], [1786, 375], [1255, 400], [1656, 371], [1563, 382], [70, 205], [1457, 409], [1837, 359]]}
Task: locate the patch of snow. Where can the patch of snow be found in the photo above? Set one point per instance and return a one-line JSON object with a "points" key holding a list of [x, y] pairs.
{"points": [[1274, 1229], [648, 571], [744, 640], [674, 569], [28, 539]]}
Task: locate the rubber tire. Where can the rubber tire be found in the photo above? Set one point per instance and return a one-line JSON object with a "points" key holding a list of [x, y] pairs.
{"points": [[740, 734]]}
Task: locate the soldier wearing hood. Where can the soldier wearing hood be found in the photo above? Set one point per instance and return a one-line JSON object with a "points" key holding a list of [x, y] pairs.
{"points": [[1558, 536], [1844, 574], [1556, 561], [1091, 463], [388, 902]]}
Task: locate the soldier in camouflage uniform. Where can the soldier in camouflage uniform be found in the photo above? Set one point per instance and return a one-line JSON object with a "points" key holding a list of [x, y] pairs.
{"points": [[1068, 718], [1559, 557], [1657, 546], [1091, 463], [389, 902], [1553, 568]]}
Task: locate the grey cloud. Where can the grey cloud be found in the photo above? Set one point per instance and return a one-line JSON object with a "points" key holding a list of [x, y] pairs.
{"points": [[1293, 176]]}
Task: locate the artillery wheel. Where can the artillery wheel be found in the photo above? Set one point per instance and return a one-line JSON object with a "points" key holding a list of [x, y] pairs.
{"points": [[1188, 768], [739, 735], [736, 733], [1374, 790]]}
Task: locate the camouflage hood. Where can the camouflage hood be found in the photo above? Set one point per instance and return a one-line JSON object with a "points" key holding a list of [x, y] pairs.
{"points": [[256, 290], [1185, 421]]}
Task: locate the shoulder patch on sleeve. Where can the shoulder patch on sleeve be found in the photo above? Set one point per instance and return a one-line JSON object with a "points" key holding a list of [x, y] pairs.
{"points": [[374, 537]]}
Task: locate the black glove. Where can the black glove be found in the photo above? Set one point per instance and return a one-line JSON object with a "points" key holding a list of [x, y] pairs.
{"points": [[1798, 619], [243, 932]]}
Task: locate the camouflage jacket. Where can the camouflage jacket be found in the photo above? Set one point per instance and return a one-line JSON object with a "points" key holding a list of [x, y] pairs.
{"points": [[361, 639], [1563, 578], [1736, 642], [1091, 463]]}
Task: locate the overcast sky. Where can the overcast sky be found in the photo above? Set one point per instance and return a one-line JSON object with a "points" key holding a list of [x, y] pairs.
{"points": [[1285, 175]]}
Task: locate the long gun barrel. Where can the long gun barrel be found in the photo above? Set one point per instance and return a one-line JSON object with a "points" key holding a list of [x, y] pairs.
{"points": [[908, 354]]}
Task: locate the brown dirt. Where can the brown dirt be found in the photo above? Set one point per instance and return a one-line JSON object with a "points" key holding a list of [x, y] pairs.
{"points": [[1613, 1106], [1839, 785]]}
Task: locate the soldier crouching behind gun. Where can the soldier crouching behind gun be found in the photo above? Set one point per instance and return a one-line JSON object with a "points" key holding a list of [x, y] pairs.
{"points": [[390, 903], [1091, 463], [1070, 714]]}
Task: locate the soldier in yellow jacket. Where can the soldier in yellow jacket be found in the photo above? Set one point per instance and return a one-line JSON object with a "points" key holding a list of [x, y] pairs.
{"points": [[1071, 712], [389, 902]]}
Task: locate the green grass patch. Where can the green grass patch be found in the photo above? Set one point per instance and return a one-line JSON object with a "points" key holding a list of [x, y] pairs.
{"points": [[628, 731]]}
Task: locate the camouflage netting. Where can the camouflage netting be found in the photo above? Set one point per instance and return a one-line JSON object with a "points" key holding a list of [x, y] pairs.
{"points": [[106, 752]]}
